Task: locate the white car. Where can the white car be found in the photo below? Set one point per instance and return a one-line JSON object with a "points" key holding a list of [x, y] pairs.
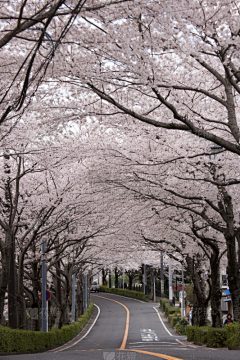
{"points": [[95, 287]]}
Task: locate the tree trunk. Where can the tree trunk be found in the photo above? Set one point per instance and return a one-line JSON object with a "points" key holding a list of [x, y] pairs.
{"points": [[216, 293], [5, 254], [116, 278], [103, 277], [233, 277], [36, 301], [231, 234], [130, 280], [21, 306], [200, 301], [79, 298], [12, 294]]}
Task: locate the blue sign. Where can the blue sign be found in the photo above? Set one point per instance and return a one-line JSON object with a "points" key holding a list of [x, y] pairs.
{"points": [[48, 295]]}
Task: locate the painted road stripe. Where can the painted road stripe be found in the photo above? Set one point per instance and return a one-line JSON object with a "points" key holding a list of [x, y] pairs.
{"points": [[76, 342], [175, 346], [162, 322], [153, 342], [162, 356], [122, 347]]}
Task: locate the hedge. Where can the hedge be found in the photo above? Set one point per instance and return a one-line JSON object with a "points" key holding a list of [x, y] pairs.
{"points": [[12, 340], [164, 305], [233, 334], [173, 314], [182, 329], [229, 335], [215, 337], [173, 319], [125, 292]]}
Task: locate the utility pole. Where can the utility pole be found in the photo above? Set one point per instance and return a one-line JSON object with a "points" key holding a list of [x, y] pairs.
{"points": [[144, 287], [44, 288], [183, 298], [162, 276], [154, 290], [170, 282], [73, 295], [86, 289]]}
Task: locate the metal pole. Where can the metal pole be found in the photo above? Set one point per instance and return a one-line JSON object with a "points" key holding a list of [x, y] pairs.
{"points": [[145, 275], [154, 290], [86, 293], [183, 298], [144, 279], [162, 276], [44, 288], [170, 283], [73, 296], [123, 278], [176, 286]]}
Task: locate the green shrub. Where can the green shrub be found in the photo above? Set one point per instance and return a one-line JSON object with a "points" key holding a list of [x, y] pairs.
{"points": [[174, 321], [12, 340], [163, 301], [214, 337], [182, 329], [202, 334], [192, 333], [233, 334], [125, 292], [171, 309]]}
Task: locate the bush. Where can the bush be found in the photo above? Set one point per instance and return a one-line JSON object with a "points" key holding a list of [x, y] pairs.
{"points": [[181, 329], [171, 309], [214, 337], [12, 340], [164, 305], [125, 292], [233, 334], [174, 321]]}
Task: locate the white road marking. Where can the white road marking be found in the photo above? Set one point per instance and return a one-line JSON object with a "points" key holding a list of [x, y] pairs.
{"points": [[148, 335], [154, 342], [76, 342], [162, 322]]}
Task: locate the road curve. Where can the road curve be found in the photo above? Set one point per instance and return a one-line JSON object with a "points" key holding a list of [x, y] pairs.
{"points": [[127, 329]]}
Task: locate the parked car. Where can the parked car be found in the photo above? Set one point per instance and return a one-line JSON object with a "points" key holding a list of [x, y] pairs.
{"points": [[95, 287]]}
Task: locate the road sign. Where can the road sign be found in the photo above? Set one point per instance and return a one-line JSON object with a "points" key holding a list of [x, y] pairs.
{"points": [[181, 294], [48, 295]]}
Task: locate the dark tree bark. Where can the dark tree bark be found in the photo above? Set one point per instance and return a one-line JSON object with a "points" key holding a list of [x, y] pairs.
{"points": [[104, 276], [116, 277], [200, 300]]}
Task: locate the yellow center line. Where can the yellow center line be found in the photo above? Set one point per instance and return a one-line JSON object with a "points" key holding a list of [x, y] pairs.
{"points": [[162, 356], [124, 342], [122, 347]]}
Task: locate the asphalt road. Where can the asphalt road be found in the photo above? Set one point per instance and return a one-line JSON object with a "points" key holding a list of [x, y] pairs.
{"points": [[128, 329]]}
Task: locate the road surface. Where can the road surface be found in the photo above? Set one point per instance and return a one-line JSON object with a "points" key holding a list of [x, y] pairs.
{"points": [[128, 329]]}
